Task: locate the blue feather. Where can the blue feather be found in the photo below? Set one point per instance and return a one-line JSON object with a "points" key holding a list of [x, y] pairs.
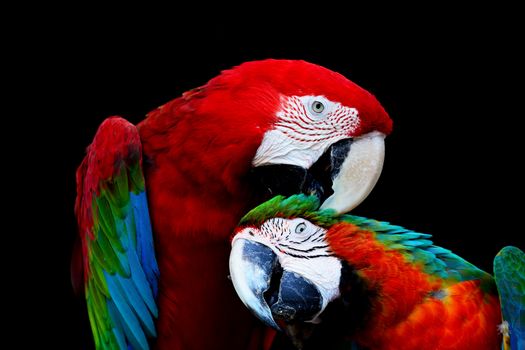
{"points": [[117, 328], [130, 323], [135, 301], [139, 279], [410, 235], [439, 250], [145, 247], [417, 243]]}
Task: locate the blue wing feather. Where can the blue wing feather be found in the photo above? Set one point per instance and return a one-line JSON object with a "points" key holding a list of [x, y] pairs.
{"points": [[117, 327], [141, 283], [135, 301], [420, 249], [146, 249], [134, 333]]}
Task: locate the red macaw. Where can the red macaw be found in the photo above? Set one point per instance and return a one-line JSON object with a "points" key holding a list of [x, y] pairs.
{"points": [[192, 168], [346, 282]]}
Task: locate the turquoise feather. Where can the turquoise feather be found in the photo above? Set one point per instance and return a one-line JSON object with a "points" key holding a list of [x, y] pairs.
{"points": [[134, 299], [117, 326], [141, 283], [130, 322]]}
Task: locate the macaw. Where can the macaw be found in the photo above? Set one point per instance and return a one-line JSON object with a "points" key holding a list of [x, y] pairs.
{"points": [[347, 282], [157, 202]]}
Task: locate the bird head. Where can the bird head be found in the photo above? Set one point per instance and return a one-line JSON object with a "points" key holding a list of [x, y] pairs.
{"points": [[304, 129], [281, 263]]}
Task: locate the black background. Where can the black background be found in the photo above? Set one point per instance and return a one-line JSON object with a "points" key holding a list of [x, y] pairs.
{"points": [[453, 84]]}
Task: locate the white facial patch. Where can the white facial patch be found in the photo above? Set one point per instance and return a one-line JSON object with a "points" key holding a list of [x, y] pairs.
{"points": [[306, 127], [301, 247]]}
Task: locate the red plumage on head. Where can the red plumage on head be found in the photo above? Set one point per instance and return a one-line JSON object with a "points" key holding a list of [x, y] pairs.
{"points": [[210, 134], [299, 78]]}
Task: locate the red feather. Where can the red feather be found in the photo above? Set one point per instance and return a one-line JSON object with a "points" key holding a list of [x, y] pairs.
{"points": [[403, 316], [99, 164], [199, 150]]}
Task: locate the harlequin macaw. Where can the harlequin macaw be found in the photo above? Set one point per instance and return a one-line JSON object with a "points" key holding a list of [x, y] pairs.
{"points": [[369, 284], [157, 202]]}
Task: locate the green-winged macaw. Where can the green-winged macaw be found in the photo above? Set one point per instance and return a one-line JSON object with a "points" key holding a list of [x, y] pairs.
{"points": [[157, 202], [349, 282]]}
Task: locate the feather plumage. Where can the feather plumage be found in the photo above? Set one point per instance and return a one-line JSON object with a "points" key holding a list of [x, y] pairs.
{"points": [[120, 270], [421, 296]]}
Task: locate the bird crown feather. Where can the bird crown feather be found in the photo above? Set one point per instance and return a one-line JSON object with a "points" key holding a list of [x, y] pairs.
{"points": [[300, 205]]}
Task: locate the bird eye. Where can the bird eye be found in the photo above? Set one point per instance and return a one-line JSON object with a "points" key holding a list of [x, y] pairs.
{"points": [[300, 228], [317, 106]]}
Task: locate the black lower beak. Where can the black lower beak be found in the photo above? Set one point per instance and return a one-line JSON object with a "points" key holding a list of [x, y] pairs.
{"points": [[285, 179], [268, 293], [298, 299]]}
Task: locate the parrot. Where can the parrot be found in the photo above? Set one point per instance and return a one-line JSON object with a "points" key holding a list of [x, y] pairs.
{"points": [[338, 281], [157, 201]]}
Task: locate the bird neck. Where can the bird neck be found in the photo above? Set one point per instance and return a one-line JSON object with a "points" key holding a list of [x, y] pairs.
{"points": [[382, 271], [196, 196]]}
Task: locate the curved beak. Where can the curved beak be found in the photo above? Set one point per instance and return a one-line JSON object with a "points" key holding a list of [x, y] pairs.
{"points": [[341, 178], [358, 173], [251, 268], [266, 290]]}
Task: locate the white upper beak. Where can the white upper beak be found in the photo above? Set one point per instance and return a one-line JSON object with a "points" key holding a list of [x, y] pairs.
{"points": [[359, 173]]}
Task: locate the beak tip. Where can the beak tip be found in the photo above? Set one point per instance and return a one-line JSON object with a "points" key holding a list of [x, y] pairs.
{"points": [[271, 323], [251, 266]]}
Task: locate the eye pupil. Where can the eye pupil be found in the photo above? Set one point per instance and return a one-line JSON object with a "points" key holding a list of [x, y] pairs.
{"points": [[300, 228], [317, 106]]}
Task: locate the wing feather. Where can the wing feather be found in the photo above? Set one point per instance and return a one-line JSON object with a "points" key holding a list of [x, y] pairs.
{"points": [[120, 268]]}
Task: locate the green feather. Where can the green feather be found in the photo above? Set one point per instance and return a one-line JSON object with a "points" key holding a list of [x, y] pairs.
{"points": [[104, 215], [137, 178], [132, 230], [99, 280], [117, 190], [98, 317], [109, 256], [122, 231], [416, 247], [94, 324], [97, 301], [294, 206], [97, 258]]}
